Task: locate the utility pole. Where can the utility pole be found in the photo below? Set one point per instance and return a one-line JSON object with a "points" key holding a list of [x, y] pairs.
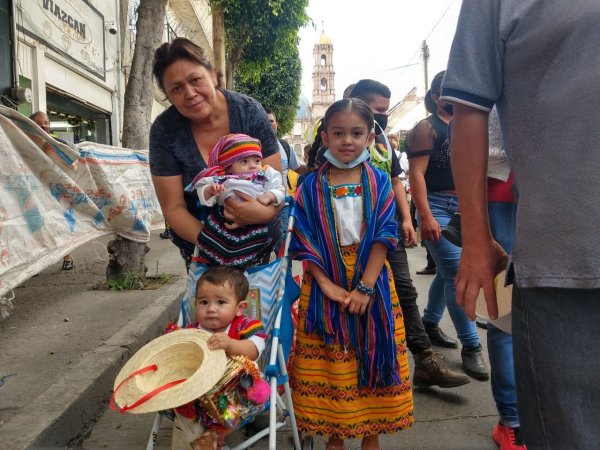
{"points": [[425, 55]]}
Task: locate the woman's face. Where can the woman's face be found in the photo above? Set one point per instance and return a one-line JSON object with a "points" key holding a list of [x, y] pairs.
{"points": [[191, 88]]}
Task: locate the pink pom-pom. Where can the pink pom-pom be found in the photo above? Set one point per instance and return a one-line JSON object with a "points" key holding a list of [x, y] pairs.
{"points": [[259, 393]]}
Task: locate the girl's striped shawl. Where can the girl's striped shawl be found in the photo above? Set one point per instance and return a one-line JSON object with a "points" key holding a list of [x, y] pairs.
{"points": [[315, 239]]}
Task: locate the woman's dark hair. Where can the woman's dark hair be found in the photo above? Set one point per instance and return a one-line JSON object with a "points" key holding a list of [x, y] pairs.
{"points": [[436, 83], [179, 48], [436, 88], [313, 163]]}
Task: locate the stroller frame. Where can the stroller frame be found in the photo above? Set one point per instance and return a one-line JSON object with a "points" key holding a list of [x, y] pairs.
{"points": [[275, 371]]}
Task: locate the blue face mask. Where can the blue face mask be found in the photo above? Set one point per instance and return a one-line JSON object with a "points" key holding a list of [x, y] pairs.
{"points": [[341, 165]]}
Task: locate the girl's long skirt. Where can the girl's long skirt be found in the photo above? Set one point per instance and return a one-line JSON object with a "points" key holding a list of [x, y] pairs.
{"points": [[327, 400]]}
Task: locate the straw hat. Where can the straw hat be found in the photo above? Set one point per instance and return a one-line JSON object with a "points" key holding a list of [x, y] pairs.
{"points": [[168, 372]]}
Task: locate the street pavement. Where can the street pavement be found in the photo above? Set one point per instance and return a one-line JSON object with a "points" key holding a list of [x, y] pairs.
{"points": [[65, 341], [459, 418]]}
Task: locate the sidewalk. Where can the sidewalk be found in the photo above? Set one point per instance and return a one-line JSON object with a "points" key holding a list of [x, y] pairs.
{"points": [[65, 343], [460, 418]]}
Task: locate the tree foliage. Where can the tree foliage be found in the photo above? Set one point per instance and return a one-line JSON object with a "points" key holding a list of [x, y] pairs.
{"points": [[274, 81], [255, 26], [261, 41]]}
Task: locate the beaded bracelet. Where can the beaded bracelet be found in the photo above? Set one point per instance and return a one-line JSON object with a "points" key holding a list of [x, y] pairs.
{"points": [[364, 289]]}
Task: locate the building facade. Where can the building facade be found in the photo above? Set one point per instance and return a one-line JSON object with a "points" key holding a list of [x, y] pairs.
{"points": [[323, 93], [297, 137], [71, 58]]}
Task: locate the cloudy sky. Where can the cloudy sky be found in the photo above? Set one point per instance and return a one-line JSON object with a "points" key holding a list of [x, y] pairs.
{"points": [[380, 39]]}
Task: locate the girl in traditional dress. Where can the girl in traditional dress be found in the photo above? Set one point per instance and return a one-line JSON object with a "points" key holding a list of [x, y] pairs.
{"points": [[350, 376]]}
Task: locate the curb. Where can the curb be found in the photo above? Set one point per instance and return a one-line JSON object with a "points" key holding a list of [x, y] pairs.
{"points": [[72, 403]]}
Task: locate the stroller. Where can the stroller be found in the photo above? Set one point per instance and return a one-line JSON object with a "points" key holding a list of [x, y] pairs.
{"points": [[272, 292]]}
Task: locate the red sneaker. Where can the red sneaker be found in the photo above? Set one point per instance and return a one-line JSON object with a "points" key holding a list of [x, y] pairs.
{"points": [[508, 438]]}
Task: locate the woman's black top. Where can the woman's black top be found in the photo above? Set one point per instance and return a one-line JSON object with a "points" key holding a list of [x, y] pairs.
{"points": [[438, 176], [173, 149]]}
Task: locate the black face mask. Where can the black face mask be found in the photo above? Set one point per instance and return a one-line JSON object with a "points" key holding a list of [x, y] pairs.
{"points": [[382, 120], [449, 108]]}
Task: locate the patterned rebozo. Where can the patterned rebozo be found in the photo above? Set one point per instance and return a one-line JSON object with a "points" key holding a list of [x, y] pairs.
{"points": [[316, 241]]}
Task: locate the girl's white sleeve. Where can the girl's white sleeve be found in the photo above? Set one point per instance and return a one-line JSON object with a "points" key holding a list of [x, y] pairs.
{"points": [[274, 184]]}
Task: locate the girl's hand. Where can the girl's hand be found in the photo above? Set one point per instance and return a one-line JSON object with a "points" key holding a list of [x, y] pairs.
{"points": [[220, 341], [357, 302], [335, 293], [430, 229]]}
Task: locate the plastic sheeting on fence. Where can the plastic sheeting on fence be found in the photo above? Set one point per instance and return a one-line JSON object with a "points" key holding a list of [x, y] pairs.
{"points": [[55, 197]]}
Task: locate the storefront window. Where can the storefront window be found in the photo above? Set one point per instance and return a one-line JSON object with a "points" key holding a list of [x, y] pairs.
{"points": [[75, 122]]}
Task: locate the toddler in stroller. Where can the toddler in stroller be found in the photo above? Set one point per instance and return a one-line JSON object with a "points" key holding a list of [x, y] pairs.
{"points": [[220, 304]]}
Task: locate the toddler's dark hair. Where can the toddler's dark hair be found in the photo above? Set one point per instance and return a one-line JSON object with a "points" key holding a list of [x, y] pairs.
{"points": [[219, 275]]}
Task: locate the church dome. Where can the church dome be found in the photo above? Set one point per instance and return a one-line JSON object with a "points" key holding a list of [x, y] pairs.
{"points": [[303, 111], [324, 39]]}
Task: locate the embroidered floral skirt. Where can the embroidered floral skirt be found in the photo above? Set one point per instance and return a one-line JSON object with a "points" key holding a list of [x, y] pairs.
{"points": [[327, 400]]}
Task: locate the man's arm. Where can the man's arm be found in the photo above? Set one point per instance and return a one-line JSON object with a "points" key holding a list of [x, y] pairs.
{"points": [[408, 231], [481, 255]]}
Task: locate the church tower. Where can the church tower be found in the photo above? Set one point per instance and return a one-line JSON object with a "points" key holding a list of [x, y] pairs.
{"points": [[323, 93]]}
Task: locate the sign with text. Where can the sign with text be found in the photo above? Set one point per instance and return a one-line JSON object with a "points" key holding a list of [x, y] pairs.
{"points": [[73, 28]]}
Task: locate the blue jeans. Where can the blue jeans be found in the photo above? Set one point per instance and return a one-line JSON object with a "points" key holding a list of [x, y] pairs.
{"points": [[556, 336], [500, 346], [442, 292], [416, 336]]}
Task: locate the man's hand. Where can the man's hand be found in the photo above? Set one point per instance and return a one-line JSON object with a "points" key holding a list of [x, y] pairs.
{"points": [[430, 229], [479, 265], [409, 235]]}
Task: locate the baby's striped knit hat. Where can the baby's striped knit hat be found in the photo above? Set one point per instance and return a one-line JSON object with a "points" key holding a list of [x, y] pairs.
{"points": [[233, 147]]}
